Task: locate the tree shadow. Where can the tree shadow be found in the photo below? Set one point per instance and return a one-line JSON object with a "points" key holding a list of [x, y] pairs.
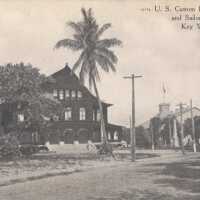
{"points": [[144, 195], [182, 175]]}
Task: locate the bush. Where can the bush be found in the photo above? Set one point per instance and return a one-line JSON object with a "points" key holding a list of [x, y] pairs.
{"points": [[9, 146], [105, 148], [29, 149]]}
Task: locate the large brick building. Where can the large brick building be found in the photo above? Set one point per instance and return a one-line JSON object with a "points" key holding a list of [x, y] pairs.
{"points": [[80, 119]]}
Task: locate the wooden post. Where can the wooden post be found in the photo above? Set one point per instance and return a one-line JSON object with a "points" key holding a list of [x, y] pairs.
{"points": [[181, 122], [175, 136], [133, 140], [170, 133], [152, 136], [193, 128], [133, 120]]}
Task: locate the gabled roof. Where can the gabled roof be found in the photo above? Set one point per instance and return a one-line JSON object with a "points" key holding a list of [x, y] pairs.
{"points": [[73, 80]]}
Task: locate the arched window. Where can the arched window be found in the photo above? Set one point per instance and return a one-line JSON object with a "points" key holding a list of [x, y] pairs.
{"points": [[79, 94], [116, 135], [61, 94], [98, 115], [55, 93], [73, 93], [109, 136], [67, 94], [68, 113], [82, 114], [94, 115]]}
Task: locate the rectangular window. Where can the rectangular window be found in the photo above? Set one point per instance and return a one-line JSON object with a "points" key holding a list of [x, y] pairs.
{"points": [[67, 94], [68, 113], [20, 117], [79, 94], [116, 135], [109, 136], [94, 115], [61, 94], [82, 114], [55, 93], [73, 94], [98, 115]]}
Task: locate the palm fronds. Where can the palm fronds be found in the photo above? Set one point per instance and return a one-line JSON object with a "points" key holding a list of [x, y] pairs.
{"points": [[103, 29], [107, 43], [95, 52], [108, 53], [69, 43]]}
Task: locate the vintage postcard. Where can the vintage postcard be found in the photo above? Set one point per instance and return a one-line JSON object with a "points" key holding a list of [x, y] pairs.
{"points": [[99, 100]]}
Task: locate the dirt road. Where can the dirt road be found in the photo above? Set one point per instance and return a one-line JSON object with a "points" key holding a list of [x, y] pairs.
{"points": [[162, 178]]}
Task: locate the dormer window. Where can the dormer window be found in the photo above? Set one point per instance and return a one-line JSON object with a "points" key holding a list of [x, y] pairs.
{"points": [[55, 93], [79, 94], [61, 94], [67, 94], [73, 94]]}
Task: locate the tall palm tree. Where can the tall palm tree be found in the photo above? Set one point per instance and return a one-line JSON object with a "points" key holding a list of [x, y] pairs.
{"points": [[95, 53]]}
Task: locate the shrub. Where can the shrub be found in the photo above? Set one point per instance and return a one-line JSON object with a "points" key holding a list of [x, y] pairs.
{"points": [[9, 146], [29, 149]]}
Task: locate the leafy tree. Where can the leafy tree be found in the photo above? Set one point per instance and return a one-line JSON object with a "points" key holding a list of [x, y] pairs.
{"points": [[167, 130], [21, 88], [155, 125], [188, 127], [95, 53], [197, 128], [142, 138]]}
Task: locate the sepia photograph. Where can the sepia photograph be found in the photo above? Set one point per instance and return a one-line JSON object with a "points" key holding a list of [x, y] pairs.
{"points": [[99, 100]]}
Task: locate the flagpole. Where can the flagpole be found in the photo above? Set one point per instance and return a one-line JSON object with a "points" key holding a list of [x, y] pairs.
{"points": [[164, 93]]}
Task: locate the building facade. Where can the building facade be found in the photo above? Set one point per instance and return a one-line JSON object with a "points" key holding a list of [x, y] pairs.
{"points": [[168, 126], [80, 120]]}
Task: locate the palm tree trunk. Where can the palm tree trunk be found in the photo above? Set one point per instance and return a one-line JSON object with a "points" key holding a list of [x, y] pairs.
{"points": [[102, 127]]}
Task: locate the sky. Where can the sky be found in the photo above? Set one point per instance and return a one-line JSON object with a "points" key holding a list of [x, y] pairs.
{"points": [[154, 46]]}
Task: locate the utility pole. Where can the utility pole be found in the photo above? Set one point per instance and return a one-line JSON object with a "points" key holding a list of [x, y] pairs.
{"points": [[152, 136], [181, 122], [193, 128], [133, 139], [130, 129], [170, 131]]}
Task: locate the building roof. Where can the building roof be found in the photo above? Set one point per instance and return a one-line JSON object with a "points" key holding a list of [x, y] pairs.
{"points": [[74, 81]]}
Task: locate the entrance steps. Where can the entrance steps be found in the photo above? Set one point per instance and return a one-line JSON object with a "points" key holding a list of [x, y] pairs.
{"points": [[68, 148]]}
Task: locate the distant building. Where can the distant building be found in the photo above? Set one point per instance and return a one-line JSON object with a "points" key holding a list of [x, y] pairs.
{"points": [[169, 126]]}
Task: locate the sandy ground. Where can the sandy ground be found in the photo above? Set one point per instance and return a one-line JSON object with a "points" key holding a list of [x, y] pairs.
{"points": [[44, 165], [169, 177], [62, 160]]}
